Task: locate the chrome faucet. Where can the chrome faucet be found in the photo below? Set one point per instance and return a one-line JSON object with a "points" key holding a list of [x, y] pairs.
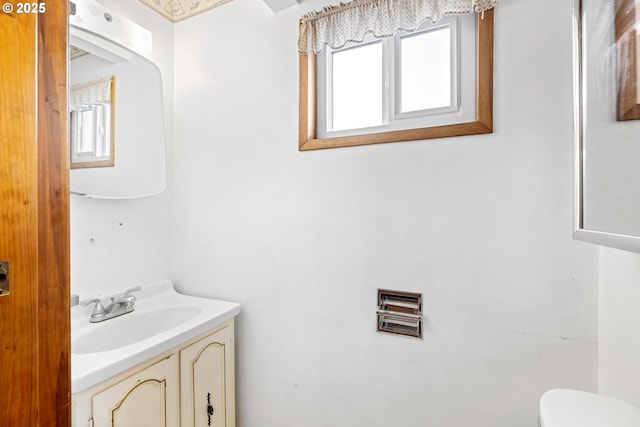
{"points": [[118, 306]]}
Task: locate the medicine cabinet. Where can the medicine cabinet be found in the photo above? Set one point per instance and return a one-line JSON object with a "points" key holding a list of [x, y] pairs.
{"points": [[117, 136], [607, 122]]}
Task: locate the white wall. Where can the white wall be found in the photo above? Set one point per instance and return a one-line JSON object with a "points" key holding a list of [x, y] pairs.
{"points": [[481, 225], [119, 243], [619, 346]]}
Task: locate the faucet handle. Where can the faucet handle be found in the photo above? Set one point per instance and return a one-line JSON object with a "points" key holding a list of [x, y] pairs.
{"points": [[131, 290], [98, 308]]}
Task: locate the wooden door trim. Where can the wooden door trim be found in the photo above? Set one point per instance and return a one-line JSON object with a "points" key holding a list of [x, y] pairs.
{"points": [[53, 321], [34, 219]]}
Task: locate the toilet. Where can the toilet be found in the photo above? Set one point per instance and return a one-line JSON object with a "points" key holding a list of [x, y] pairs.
{"points": [[572, 408]]}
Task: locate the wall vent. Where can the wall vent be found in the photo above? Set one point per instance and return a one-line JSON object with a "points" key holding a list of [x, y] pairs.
{"points": [[400, 312]]}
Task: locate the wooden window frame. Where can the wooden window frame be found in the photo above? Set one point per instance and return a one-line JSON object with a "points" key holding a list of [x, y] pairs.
{"points": [[482, 124]]}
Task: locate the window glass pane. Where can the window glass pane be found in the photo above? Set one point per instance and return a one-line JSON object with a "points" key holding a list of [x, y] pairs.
{"points": [[91, 130], [357, 87], [425, 70], [87, 134], [103, 135]]}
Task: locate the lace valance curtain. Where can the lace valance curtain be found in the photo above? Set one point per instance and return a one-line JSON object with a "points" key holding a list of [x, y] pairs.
{"points": [[334, 26], [93, 92]]}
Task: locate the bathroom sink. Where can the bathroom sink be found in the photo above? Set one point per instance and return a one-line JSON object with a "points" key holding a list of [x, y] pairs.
{"points": [[161, 320], [131, 328]]}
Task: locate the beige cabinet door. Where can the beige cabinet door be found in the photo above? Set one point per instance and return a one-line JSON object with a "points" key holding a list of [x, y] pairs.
{"points": [[147, 399], [207, 381]]}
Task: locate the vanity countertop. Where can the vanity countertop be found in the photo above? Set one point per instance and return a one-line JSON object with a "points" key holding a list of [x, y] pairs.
{"points": [[162, 320]]}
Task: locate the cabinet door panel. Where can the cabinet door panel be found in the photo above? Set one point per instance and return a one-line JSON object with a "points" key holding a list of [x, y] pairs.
{"points": [[207, 386], [146, 399]]}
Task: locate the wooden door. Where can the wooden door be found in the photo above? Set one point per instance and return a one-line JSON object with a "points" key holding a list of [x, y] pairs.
{"points": [[150, 398], [34, 217]]}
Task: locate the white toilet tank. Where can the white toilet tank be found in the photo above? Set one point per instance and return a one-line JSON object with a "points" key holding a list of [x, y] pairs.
{"points": [[572, 408]]}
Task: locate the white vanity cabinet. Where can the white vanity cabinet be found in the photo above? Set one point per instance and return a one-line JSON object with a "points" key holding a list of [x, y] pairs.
{"points": [[192, 384]]}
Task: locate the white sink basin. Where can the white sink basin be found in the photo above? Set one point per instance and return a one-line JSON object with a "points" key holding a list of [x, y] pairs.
{"points": [[131, 328], [161, 320]]}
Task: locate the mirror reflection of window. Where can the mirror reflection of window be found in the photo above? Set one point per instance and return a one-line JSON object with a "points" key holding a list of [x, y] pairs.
{"points": [[91, 109]]}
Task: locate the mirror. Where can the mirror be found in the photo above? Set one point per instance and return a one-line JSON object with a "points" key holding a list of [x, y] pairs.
{"points": [[607, 122], [116, 131]]}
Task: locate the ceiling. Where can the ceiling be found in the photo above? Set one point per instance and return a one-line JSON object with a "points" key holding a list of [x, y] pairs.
{"points": [[178, 10]]}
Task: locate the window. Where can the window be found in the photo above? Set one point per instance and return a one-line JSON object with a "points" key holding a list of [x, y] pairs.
{"points": [[434, 82], [91, 123], [407, 81], [91, 134]]}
